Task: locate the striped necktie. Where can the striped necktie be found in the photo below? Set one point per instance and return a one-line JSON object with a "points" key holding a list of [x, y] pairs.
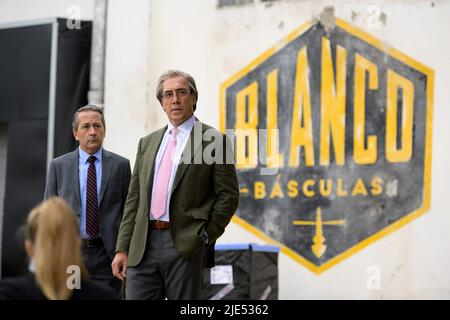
{"points": [[91, 200]]}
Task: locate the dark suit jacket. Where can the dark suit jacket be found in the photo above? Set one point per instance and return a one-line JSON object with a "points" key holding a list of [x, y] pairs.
{"points": [[26, 288], [63, 181], [204, 197]]}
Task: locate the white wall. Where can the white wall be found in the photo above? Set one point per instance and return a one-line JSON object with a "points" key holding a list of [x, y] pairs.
{"points": [[128, 94]]}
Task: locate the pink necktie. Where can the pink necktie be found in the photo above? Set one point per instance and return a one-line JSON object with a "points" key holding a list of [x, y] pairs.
{"points": [[158, 207]]}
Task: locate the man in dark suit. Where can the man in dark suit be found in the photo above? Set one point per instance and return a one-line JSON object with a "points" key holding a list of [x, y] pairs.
{"points": [[177, 206], [95, 183]]}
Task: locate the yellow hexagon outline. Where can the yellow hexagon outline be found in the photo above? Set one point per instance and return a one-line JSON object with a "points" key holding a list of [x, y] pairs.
{"points": [[428, 141]]}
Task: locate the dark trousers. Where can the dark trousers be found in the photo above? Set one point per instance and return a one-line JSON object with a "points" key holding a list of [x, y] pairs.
{"points": [[98, 264], [164, 273]]}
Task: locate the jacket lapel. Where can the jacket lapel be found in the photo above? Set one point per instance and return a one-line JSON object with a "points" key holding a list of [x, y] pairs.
{"points": [[73, 169], [106, 171], [190, 152], [148, 160]]}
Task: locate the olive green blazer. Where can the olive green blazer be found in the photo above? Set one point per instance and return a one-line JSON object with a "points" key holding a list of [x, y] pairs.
{"points": [[203, 197]]}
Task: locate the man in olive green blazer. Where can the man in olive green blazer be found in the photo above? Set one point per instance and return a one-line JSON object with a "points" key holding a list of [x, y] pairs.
{"points": [[164, 256]]}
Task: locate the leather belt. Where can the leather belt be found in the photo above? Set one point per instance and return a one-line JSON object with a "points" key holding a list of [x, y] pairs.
{"points": [[89, 243], [159, 225]]}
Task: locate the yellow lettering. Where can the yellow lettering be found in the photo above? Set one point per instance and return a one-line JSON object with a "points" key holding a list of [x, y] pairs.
{"points": [[274, 158], [306, 185], [359, 188], [363, 155], [325, 191], [259, 190], [377, 186], [246, 131], [394, 82], [292, 188], [276, 191], [340, 191], [301, 135], [333, 104]]}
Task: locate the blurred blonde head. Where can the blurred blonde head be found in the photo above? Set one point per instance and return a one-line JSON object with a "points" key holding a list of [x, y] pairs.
{"points": [[53, 241]]}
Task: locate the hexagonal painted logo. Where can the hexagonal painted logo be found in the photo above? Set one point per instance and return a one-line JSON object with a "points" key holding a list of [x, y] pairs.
{"points": [[332, 140]]}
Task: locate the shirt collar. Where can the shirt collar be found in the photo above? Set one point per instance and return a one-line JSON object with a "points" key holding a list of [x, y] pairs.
{"points": [[185, 127], [84, 155]]}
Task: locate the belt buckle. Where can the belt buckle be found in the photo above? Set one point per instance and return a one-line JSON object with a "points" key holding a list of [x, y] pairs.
{"points": [[160, 225]]}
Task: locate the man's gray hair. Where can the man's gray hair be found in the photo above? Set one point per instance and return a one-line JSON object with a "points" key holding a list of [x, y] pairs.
{"points": [[173, 74], [89, 107]]}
